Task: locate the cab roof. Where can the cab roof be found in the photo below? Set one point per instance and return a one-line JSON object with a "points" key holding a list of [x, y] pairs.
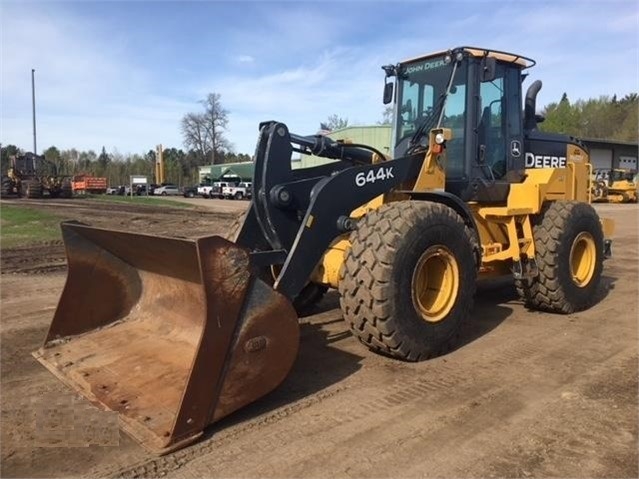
{"points": [[521, 60]]}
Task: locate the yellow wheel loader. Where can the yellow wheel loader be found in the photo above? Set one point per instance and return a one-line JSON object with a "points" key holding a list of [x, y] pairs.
{"points": [[175, 334], [615, 186]]}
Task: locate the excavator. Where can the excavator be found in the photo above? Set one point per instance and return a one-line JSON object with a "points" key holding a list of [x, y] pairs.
{"points": [[175, 334]]}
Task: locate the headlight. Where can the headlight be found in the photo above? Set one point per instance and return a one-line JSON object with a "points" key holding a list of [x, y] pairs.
{"points": [[439, 138]]}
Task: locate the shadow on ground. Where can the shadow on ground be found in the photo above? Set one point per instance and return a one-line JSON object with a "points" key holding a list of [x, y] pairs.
{"points": [[319, 365]]}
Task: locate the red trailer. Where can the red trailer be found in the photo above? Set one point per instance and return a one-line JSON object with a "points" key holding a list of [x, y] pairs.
{"points": [[83, 184]]}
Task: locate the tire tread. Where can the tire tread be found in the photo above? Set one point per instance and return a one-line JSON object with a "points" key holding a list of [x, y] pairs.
{"points": [[366, 275]]}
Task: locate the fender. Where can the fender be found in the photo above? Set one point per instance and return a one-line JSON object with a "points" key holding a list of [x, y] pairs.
{"points": [[456, 204]]}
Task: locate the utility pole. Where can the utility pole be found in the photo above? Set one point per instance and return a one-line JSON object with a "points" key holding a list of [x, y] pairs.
{"points": [[35, 149], [159, 164]]}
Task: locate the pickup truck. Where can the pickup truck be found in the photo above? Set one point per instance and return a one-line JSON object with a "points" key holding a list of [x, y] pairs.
{"points": [[204, 190], [237, 192], [217, 190]]}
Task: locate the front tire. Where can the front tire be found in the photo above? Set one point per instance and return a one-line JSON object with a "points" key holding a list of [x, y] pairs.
{"points": [[6, 188], [569, 252], [408, 280], [32, 188]]}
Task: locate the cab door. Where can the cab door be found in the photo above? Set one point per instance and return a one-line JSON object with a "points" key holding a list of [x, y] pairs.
{"points": [[499, 124]]}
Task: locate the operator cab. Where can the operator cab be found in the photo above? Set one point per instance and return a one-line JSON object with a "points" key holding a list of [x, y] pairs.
{"points": [[476, 93]]}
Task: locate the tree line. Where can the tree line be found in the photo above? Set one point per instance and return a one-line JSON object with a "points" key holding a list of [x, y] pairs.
{"points": [[205, 142], [180, 167], [604, 118], [607, 118]]}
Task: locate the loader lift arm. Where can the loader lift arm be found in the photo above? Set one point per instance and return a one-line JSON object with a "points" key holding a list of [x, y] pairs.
{"points": [[299, 212]]}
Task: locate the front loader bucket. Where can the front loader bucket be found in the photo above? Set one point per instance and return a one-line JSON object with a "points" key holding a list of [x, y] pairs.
{"points": [[173, 334]]}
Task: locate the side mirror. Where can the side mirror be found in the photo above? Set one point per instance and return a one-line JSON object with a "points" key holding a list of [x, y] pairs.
{"points": [[388, 93], [488, 69]]}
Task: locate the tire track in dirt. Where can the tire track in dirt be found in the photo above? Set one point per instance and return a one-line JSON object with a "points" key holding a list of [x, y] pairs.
{"points": [[470, 414], [375, 415], [564, 440], [412, 384], [37, 258]]}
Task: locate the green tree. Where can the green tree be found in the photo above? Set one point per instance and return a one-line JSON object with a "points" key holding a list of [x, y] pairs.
{"points": [[53, 155], [70, 158], [560, 117], [629, 126], [603, 118], [87, 161], [104, 159]]}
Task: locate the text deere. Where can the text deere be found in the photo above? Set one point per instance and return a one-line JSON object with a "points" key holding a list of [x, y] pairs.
{"points": [[544, 161]]}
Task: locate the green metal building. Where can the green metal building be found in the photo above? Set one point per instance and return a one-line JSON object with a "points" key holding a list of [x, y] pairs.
{"points": [[377, 136], [227, 172]]}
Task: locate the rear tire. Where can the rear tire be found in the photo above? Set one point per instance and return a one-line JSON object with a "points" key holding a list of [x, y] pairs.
{"points": [[67, 190], [569, 253], [239, 196], [408, 280]]}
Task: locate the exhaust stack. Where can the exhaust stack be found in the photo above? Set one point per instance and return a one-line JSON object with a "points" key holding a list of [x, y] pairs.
{"points": [[530, 117]]}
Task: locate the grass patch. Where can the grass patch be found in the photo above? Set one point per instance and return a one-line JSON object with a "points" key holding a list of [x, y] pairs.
{"points": [[20, 226], [138, 200]]}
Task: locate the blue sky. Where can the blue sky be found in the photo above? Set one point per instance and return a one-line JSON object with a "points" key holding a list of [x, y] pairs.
{"points": [[123, 74]]}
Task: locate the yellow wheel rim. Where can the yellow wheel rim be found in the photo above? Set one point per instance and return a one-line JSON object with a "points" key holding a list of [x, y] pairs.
{"points": [[583, 255], [435, 283]]}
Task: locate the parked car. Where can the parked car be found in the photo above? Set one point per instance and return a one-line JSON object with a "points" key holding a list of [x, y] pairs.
{"points": [[112, 190], [237, 192], [168, 190], [190, 191]]}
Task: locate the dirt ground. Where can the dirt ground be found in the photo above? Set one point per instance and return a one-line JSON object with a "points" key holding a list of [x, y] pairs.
{"points": [[525, 394]]}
